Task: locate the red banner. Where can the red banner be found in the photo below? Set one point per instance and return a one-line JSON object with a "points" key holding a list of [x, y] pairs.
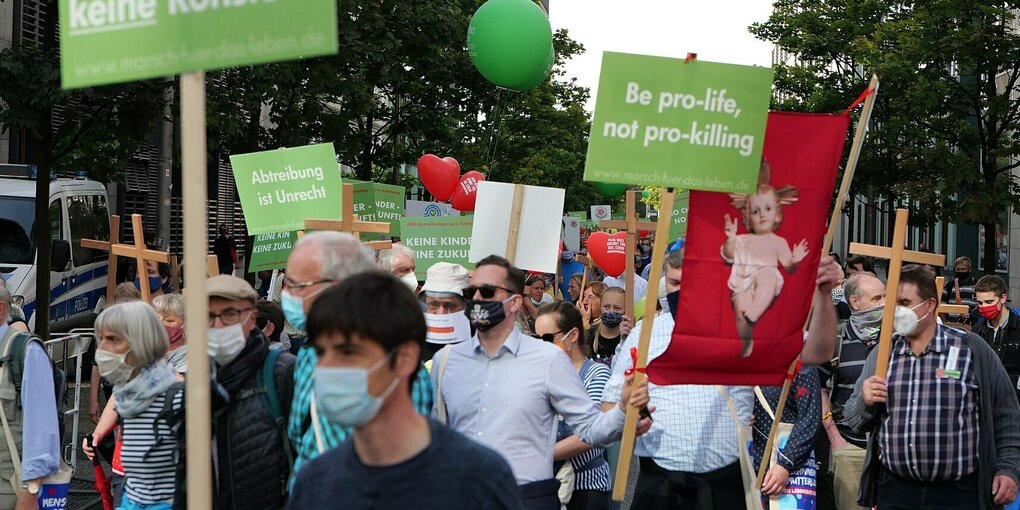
{"points": [[750, 261]]}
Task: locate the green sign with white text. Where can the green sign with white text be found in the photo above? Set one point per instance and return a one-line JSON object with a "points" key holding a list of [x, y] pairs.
{"points": [[442, 239], [379, 202], [282, 188], [678, 222], [270, 251], [662, 122], [114, 41]]}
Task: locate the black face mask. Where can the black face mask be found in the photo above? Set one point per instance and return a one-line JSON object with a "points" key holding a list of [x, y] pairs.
{"points": [[485, 315], [673, 299], [962, 275]]}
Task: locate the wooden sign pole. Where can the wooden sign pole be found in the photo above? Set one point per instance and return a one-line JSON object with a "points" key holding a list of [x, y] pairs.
{"points": [[514, 232], [631, 225], [138, 251], [834, 219], [651, 298], [584, 275], [111, 273], [196, 307]]}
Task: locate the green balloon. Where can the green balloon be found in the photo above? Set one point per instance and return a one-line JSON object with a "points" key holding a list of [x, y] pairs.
{"points": [[510, 43], [645, 194], [610, 190]]}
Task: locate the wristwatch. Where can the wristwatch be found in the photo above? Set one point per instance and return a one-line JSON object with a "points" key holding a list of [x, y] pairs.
{"points": [[31, 487]]}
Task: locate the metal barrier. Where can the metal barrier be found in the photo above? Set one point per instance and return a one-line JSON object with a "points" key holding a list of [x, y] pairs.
{"points": [[81, 339]]}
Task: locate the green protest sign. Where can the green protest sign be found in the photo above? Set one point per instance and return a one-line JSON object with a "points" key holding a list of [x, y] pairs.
{"points": [[280, 189], [662, 122], [379, 202], [270, 251], [583, 215], [678, 222], [113, 41], [442, 239]]}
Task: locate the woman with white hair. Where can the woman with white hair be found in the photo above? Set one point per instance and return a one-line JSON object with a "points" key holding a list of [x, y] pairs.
{"points": [[132, 345]]}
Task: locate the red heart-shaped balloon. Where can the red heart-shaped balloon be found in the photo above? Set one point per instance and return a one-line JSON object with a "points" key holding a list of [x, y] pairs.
{"points": [[466, 192], [438, 175], [609, 251]]}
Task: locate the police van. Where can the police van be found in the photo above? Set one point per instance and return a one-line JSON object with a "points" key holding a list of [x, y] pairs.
{"points": [[78, 210]]}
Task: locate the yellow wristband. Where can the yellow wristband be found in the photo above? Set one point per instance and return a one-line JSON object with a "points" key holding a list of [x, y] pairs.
{"points": [[826, 416]]}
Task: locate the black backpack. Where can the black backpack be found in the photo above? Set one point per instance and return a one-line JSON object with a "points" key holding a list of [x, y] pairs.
{"points": [[14, 362], [266, 388]]}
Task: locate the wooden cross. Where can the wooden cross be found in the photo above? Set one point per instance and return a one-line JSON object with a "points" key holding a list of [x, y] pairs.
{"points": [[896, 256], [940, 283], [631, 225], [351, 224], [138, 251], [212, 263]]}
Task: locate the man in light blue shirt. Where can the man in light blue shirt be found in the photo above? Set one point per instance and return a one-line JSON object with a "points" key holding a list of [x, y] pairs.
{"points": [[35, 424], [690, 454], [504, 389]]}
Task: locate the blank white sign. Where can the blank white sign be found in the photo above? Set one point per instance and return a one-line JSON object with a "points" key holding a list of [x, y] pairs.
{"points": [[541, 220]]}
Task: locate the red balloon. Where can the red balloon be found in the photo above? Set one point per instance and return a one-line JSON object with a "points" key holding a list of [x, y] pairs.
{"points": [[438, 175], [466, 192], [642, 233], [609, 251]]}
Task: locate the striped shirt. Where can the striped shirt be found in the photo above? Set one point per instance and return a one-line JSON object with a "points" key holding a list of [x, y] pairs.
{"points": [[930, 430], [848, 365], [147, 454], [594, 377], [299, 430]]}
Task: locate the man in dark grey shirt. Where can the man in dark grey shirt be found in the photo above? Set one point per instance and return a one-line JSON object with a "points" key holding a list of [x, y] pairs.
{"points": [[396, 458]]}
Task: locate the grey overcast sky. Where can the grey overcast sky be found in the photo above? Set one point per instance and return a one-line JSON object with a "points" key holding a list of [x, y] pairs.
{"points": [[714, 29]]}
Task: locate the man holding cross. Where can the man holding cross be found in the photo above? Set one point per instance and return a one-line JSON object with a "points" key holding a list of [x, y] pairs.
{"points": [[944, 423]]}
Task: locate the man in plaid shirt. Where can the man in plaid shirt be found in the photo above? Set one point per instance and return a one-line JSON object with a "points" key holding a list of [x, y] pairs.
{"points": [[945, 424], [319, 261]]}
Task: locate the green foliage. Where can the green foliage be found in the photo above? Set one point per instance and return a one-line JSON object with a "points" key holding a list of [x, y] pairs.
{"points": [[102, 127], [942, 139], [402, 86]]}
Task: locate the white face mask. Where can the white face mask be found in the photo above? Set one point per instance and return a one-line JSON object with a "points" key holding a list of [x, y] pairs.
{"points": [[906, 320], [224, 344], [114, 367], [410, 280]]}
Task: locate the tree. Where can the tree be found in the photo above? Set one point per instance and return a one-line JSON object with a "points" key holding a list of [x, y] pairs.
{"points": [[402, 86], [942, 139], [97, 129]]}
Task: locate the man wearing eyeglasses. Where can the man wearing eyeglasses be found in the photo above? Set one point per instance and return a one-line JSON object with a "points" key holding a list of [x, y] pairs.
{"points": [[251, 449], [319, 261], [444, 307], [505, 389]]}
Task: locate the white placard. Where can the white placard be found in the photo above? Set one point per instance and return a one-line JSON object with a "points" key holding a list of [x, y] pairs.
{"points": [[601, 212], [420, 209], [571, 233], [539, 241]]}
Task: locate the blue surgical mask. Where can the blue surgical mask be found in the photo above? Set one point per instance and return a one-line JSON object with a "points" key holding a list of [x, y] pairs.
{"points": [[293, 310], [342, 394], [155, 282]]}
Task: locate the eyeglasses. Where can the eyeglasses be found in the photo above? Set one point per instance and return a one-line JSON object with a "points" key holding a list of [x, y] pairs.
{"points": [[487, 291], [445, 306], [291, 284], [228, 317], [548, 337]]}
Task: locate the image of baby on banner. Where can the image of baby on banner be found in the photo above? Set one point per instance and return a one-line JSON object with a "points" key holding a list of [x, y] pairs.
{"points": [[751, 261], [755, 280]]}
